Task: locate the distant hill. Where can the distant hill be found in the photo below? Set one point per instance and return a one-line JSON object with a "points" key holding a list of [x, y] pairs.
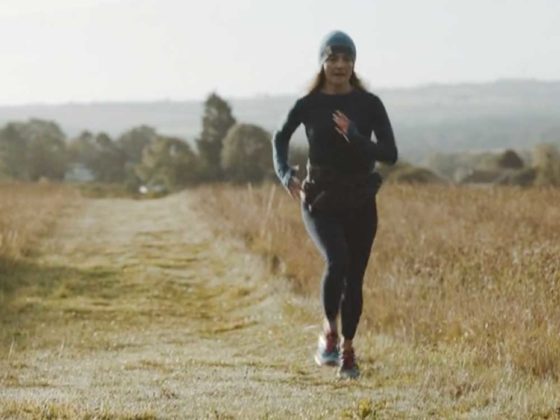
{"points": [[427, 119]]}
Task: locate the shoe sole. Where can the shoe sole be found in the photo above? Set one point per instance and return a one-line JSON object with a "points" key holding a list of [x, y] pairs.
{"points": [[320, 362], [340, 375]]}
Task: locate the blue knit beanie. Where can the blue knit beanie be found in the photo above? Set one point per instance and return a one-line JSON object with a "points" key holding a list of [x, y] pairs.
{"points": [[334, 42]]}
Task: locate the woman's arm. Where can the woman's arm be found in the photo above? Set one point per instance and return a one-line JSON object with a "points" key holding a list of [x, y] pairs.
{"points": [[280, 144], [385, 149]]}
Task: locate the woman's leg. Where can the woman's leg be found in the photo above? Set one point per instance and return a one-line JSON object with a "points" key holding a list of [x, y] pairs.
{"points": [[327, 233], [360, 230]]}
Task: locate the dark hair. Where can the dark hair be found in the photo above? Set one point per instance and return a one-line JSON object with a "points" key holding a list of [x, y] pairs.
{"points": [[319, 81]]}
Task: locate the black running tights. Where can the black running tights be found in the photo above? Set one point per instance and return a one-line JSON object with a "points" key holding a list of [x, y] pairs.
{"points": [[345, 242]]}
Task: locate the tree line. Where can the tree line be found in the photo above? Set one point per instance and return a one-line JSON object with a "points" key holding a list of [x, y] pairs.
{"points": [[226, 150]]}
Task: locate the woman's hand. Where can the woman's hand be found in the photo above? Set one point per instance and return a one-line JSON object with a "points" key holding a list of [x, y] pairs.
{"points": [[342, 124], [294, 188]]}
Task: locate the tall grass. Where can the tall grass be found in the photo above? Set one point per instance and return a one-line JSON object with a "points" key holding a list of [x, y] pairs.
{"points": [[27, 211], [478, 268]]}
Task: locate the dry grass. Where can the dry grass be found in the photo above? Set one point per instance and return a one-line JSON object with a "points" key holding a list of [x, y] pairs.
{"points": [[28, 214], [27, 211], [51, 410], [134, 309], [471, 269]]}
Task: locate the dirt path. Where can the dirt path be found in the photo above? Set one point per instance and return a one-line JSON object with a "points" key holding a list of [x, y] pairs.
{"points": [[135, 309]]}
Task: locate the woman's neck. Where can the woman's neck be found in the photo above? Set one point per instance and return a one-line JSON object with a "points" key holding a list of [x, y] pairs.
{"points": [[332, 89]]}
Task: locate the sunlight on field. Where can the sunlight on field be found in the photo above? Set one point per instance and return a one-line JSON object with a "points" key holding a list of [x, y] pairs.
{"points": [[53, 410], [153, 308], [473, 268]]}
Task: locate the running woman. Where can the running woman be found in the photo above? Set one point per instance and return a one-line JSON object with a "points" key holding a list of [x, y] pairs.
{"points": [[338, 204]]}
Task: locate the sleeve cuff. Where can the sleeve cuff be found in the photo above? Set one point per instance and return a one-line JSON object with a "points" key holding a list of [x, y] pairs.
{"points": [[354, 135], [287, 176]]}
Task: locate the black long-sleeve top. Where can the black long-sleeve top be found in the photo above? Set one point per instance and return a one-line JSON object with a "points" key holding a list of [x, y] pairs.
{"points": [[329, 148]]}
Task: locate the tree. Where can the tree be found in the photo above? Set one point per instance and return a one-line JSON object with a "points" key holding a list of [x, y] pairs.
{"points": [[82, 149], [13, 147], [133, 142], [216, 122], [247, 153], [108, 163], [33, 150], [168, 162]]}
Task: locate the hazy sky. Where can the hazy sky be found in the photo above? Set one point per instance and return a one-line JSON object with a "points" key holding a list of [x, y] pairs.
{"points": [[94, 50]]}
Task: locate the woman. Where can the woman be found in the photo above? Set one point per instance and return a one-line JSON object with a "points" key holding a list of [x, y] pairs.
{"points": [[338, 195]]}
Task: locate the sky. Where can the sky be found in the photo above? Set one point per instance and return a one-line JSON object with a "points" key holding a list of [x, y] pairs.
{"points": [[59, 51]]}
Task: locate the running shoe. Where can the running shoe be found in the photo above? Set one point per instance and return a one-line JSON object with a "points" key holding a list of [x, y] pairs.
{"points": [[348, 368], [327, 350]]}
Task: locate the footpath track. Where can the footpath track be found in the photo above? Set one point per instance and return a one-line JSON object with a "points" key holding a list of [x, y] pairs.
{"points": [[136, 309]]}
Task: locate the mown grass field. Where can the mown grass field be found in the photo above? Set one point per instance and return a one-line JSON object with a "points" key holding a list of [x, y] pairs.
{"points": [[122, 308]]}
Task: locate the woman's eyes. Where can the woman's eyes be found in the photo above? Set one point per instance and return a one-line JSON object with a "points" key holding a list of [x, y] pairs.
{"points": [[343, 57]]}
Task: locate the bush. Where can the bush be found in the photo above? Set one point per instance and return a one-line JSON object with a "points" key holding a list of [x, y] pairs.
{"points": [[481, 176], [546, 160], [522, 177], [247, 154], [407, 173], [511, 160]]}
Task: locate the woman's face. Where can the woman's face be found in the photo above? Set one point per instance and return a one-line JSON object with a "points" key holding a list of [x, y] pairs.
{"points": [[338, 68]]}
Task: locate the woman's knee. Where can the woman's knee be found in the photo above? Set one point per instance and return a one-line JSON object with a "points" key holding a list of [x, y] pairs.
{"points": [[338, 266], [353, 292]]}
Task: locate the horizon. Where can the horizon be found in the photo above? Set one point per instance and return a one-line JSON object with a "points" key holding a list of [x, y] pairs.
{"points": [[279, 95], [70, 51]]}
